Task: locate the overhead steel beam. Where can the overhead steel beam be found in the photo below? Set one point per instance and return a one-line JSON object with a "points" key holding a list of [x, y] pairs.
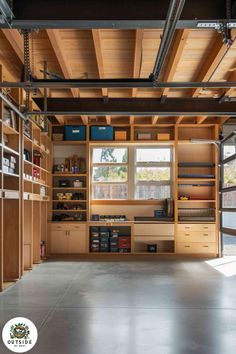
{"points": [[6, 14], [106, 14], [173, 16], [114, 83], [136, 106]]}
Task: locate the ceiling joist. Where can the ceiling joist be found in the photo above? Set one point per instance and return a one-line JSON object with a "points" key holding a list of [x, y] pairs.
{"points": [[175, 54]]}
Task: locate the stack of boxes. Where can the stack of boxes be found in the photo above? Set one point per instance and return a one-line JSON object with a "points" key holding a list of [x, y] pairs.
{"points": [[124, 244], [94, 240], [9, 164], [104, 239], [114, 237]]}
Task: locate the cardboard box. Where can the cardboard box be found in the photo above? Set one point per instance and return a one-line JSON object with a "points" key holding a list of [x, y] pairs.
{"points": [[144, 136], [120, 135], [163, 136]]}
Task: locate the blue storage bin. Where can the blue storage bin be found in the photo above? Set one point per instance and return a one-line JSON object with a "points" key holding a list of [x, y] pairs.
{"points": [[101, 133], [75, 132]]}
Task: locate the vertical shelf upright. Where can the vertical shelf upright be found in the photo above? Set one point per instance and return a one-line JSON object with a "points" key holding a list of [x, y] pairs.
{"points": [[11, 250]]}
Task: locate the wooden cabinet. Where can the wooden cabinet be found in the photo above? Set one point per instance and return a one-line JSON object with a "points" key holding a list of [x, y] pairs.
{"points": [[198, 248], [196, 238], [59, 241], [77, 242], [68, 239], [154, 230]]}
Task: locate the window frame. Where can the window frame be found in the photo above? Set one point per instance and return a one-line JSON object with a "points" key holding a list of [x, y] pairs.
{"points": [[223, 189], [158, 164], [108, 164], [132, 165]]}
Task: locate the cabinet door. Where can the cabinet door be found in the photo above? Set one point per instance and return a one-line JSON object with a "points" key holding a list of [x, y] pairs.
{"points": [[77, 241], [59, 241]]}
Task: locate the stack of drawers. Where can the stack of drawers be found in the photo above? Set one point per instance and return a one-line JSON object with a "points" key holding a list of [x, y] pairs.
{"points": [[196, 238]]}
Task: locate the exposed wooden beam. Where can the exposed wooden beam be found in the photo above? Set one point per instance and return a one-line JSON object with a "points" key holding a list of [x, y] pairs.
{"points": [[218, 51], [84, 119], [175, 56], [224, 119], [137, 56], [201, 120], [98, 52], [108, 119], [131, 120], [16, 41], [154, 119], [57, 45], [231, 91], [14, 38], [179, 119]]}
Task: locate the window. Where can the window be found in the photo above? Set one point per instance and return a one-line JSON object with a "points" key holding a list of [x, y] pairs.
{"points": [[110, 173], [229, 171], [153, 173], [131, 173]]}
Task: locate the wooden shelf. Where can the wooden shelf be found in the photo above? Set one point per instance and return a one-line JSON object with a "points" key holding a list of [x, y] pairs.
{"points": [[70, 210], [69, 142], [9, 130], [69, 174], [196, 180], [69, 201], [11, 174], [28, 162], [197, 201], [10, 150], [70, 188]]}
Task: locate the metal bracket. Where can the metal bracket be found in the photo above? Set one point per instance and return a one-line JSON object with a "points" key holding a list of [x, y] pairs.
{"points": [[222, 27]]}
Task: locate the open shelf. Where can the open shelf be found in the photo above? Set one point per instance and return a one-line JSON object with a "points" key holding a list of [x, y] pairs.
{"points": [[9, 130]]}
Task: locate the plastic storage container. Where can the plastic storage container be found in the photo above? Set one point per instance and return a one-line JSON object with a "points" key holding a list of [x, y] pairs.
{"points": [[73, 132], [101, 133]]}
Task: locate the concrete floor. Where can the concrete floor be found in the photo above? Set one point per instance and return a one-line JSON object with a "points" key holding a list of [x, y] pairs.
{"points": [[154, 307]]}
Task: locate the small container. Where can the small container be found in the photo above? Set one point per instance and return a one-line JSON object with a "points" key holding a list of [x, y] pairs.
{"points": [[77, 183], [152, 248], [68, 196]]}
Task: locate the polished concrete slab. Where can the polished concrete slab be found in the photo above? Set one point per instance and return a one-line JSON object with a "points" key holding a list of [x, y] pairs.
{"points": [[166, 306]]}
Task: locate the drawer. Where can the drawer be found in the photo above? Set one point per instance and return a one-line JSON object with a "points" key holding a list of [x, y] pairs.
{"points": [[81, 227], [196, 236], [196, 227], [152, 239], [153, 229], [199, 248]]}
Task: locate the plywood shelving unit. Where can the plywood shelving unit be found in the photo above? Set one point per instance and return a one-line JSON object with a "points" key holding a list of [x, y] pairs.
{"points": [[36, 185], [31, 189], [10, 203], [24, 195], [201, 190]]}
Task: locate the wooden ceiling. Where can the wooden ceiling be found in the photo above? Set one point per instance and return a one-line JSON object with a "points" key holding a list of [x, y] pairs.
{"points": [[195, 55]]}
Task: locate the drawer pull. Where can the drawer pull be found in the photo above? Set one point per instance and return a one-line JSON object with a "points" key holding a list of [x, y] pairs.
{"points": [[205, 234], [187, 227], [187, 235], [205, 246], [187, 246], [205, 227]]}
